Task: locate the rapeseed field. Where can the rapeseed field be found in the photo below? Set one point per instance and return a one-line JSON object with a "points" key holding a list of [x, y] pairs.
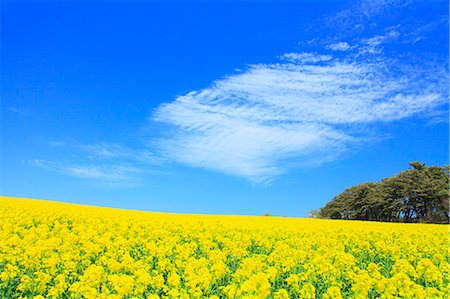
{"points": [[57, 250]]}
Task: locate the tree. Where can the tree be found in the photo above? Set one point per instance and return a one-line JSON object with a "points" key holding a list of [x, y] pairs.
{"points": [[419, 194], [313, 214]]}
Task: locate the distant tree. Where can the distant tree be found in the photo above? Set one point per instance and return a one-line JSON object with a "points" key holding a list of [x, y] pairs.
{"points": [[313, 214], [419, 194], [350, 204], [268, 214]]}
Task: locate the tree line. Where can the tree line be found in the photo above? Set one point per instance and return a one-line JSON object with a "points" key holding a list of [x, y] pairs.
{"points": [[418, 194]]}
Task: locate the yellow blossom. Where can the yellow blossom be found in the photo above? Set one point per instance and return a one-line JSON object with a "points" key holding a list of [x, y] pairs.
{"points": [[56, 250]]}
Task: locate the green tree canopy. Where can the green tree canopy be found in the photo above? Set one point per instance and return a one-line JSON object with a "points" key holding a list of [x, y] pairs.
{"points": [[418, 194]]}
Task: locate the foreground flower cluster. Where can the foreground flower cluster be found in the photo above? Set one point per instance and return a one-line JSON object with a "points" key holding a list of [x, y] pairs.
{"points": [[56, 250]]}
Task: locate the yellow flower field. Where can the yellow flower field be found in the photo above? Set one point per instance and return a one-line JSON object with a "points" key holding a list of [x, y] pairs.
{"points": [[57, 250]]}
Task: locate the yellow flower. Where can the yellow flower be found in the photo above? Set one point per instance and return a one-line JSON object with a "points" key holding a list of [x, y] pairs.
{"points": [[308, 291], [281, 294], [333, 293], [54, 250], [173, 280]]}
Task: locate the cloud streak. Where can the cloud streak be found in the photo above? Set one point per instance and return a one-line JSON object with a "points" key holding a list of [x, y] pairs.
{"points": [[339, 46], [305, 57], [108, 164], [304, 110], [122, 174], [116, 151]]}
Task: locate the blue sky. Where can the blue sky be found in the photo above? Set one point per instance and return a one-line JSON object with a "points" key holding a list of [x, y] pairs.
{"points": [[238, 107]]}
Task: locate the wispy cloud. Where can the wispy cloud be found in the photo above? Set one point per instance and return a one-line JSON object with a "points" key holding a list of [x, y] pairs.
{"points": [[123, 175], [307, 108], [20, 111], [421, 32], [255, 123], [379, 39], [108, 164], [305, 57], [339, 46], [374, 44], [109, 173], [367, 24], [360, 15], [105, 150]]}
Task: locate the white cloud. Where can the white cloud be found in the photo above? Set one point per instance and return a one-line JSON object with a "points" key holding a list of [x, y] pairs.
{"points": [[116, 151], [379, 39], [41, 163], [305, 57], [108, 173], [256, 123], [110, 164], [360, 14], [113, 175], [20, 111], [340, 46], [374, 45]]}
